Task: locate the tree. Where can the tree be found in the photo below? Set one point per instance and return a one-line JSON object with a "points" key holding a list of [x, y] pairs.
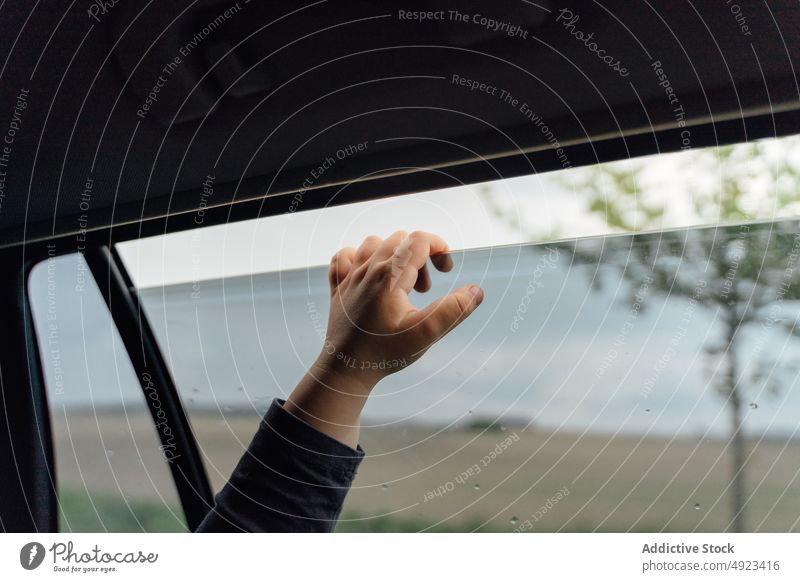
{"points": [[743, 274]]}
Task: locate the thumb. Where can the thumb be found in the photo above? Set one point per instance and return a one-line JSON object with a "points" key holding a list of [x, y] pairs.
{"points": [[442, 315]]}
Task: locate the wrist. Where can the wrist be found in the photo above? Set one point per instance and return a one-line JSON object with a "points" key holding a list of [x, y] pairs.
{"points": [[344, 374]]}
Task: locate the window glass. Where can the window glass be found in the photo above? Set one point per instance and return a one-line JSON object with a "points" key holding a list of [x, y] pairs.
{"points": [[620, 383], [613, 383], [110, 471]]}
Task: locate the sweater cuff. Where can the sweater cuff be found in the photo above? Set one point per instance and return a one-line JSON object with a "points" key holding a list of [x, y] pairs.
{"points": [[291, 478], [306, 444]]}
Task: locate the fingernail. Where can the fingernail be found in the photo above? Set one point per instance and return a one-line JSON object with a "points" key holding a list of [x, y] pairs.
{"points": [[477, 292]]}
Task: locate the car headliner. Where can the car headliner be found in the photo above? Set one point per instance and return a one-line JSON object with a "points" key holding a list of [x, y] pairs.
{"points": [[134, 112]]}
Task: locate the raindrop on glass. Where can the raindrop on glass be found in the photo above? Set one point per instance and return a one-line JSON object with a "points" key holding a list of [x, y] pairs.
{"points": [[753, 405], [697, 506], [384, 487], [647, 410], [514, 520], [470, 412], [476, 487]]}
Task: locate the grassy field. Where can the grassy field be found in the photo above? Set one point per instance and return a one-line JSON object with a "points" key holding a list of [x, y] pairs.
{"points": [[605, 484]]}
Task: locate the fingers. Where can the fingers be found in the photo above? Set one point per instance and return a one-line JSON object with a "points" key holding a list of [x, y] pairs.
{"points": [[407, 255], [367, 249], [391, 244], [341, 265], [438, 318], [410, 257], [423, 282], [387, 248], [442, 262]]}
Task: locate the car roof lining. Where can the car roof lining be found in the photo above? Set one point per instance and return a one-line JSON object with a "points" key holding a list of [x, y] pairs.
{"points": [[386, 83]]}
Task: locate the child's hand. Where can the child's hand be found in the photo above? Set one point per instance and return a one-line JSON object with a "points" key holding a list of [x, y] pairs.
{"points": [[373, 329]]}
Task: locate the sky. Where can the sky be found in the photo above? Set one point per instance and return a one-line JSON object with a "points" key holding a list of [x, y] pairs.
{"points": [[461, 215], [547, 205]]}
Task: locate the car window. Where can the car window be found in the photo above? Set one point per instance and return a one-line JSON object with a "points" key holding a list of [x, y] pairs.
{"points": [[723, 185], [611, 382], [591, 391], [110, 471]]}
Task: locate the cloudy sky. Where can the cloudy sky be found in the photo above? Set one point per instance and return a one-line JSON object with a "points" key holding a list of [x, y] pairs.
{"points": [[461, 215], [547, 205]]}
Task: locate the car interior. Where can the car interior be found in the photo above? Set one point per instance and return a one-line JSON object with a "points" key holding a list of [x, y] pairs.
{"points": [[127, 122]]}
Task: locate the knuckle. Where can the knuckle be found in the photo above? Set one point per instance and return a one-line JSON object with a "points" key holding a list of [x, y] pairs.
{"points": [[360, 271], [402, 255], [381, 270], [371, 239]]}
